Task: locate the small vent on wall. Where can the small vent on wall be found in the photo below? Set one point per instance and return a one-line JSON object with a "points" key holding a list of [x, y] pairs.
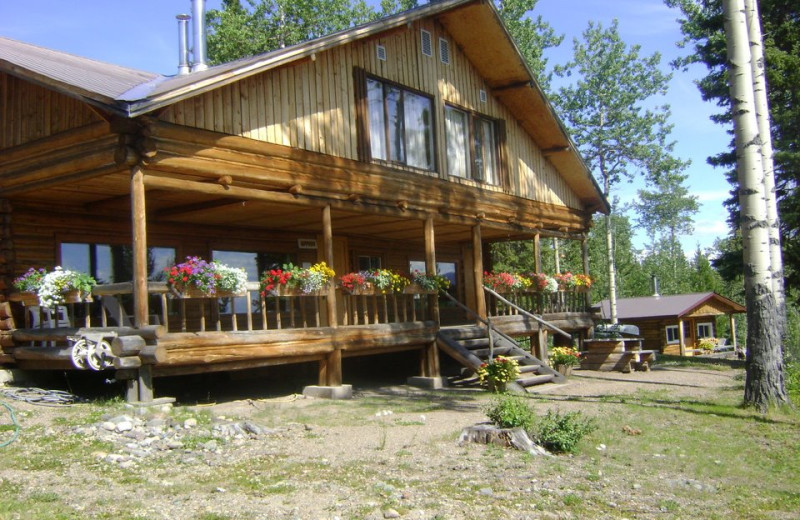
{"points": [[427, 43], [483, 96], [444, 51], [381, 51]]}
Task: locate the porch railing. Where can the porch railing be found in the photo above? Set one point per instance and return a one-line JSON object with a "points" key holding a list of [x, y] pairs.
{"points": [[249, 312], [537, 303]]}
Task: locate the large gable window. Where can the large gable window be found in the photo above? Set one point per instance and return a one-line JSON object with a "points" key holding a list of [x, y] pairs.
{"points": [[471, 146], [400, 125]]}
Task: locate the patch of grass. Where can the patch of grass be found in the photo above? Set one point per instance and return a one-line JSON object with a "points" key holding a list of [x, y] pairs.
{"points": [[571, 499]]}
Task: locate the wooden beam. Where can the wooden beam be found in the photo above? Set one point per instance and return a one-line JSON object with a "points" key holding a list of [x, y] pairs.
{"points": [[327, 248], [198, 206], [512, 86], [430, 265], [680, 336], [139, 226]]}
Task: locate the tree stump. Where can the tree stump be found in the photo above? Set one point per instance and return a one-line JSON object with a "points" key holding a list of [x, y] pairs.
{"points": [[487, 433]]}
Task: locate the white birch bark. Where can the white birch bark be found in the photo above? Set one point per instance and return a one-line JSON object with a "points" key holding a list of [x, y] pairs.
{"points": [[764, 385], [758, 67]]}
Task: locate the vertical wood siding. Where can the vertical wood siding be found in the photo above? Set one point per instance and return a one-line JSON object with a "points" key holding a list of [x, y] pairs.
{"points": [[311, 105], [29, 112]]}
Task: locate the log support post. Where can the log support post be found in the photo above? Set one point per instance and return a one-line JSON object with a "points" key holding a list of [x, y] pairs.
{"points": [[537, 253], [430, 266], [585, 255], [477, 269], [556, 255], [681, 338], [145, 384], [139, 223], [733, 332]]}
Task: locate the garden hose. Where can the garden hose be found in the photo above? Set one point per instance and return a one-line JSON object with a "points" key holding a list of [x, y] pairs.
{"points": [[16, 426], [40, 396]]}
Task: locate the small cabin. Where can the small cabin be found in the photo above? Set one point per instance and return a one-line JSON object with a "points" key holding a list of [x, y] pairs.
{"points": [[676, 324], [410, 143]]}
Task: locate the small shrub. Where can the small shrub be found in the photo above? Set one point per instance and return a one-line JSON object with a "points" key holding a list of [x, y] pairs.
{"points": [[511, 412], [793, 381], [560, 433]]}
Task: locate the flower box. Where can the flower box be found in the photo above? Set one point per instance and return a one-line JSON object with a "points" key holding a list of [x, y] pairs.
{"points": [[418, 289], [193, 292], [366, 289], [29, 299], [76, 297]]}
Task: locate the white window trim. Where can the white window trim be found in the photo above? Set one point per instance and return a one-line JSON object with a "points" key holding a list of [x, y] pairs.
{"points": [[710, 328], [677, 334]]}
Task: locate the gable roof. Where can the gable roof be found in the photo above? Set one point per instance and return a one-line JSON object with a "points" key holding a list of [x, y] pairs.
{"points": [[475, 26], [677, 305]]}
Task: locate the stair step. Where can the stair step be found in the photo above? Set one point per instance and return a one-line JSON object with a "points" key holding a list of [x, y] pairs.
{"points": [[524, 369], [484, 352], [463, 333], [476, 343], [535, 380]]}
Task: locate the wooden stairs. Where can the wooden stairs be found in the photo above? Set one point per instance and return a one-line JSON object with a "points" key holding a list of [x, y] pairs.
{"points": [[469, 345]]}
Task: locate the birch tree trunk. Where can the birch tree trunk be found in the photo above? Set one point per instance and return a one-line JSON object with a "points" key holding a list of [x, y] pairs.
{"points": [[764, 385], [758, 67]]}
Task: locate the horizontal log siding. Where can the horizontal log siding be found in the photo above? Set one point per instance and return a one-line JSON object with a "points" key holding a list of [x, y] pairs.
{"points": [[311, 105], [29, 112]]}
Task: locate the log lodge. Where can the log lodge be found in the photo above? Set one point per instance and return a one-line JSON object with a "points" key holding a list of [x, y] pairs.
{"points": [[412, 142]]}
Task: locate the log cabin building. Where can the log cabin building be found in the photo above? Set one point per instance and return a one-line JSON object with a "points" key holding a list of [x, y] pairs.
{"points": [[675, 324], [411, 142]]}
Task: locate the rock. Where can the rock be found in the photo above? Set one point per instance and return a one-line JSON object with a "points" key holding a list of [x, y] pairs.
{"points": [[124, 426], [127, 464], [486, 492], [108, 425], [391, 513], [190, 423], [252, 428]]}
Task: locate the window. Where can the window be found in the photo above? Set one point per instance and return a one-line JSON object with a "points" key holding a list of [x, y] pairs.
{"points": [[368, 263], [673, 335], [254, 264], [113, 263], [705, 330], [471, 146], [400, 125]]}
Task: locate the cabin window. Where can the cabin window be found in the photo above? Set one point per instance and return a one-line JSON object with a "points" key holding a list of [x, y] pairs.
{"points": [[109, 263], [400, 125], [471, 146], [368, 263], [705, 330], [254, 264], [673, 336], [446, 269]]}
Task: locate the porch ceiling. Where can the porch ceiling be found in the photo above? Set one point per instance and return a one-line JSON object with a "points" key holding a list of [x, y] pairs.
{"points": [[109, 197]]}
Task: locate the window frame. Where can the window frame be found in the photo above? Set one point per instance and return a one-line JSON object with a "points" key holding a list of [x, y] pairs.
{"points": [[369, 135], [473, 119], [677, 339], [704, 324]]}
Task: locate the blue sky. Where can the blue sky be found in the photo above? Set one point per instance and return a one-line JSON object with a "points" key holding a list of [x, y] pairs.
{"points": [[143, 34]]}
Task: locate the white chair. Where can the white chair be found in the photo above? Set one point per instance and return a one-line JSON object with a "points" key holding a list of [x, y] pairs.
{"points": [[46, 318]]}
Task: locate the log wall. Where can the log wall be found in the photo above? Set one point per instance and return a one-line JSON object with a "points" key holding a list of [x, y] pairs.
{"points": [[30, 112], [311, 105]]}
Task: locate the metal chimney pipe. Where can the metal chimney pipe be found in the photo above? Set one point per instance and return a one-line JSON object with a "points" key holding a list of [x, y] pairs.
{"points": [[200, 61], [183, 44], [655, 285]]}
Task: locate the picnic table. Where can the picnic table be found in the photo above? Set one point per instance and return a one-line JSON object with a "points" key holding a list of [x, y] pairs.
{"points": [[622, 354]]}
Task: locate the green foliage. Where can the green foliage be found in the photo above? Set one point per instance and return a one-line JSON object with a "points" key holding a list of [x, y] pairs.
{"points": [[560, 433], [793, 381], [507, 411], [702, 25], [236, 31]]}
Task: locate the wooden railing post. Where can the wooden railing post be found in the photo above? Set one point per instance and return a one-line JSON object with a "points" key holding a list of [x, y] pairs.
{"points": [[430, 266]]}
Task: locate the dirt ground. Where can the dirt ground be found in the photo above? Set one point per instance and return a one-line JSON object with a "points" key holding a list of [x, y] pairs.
{"points": [[391, 452]]}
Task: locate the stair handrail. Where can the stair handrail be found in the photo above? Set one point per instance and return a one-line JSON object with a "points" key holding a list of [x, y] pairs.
{"points": [[486, 321], [526, 313]]}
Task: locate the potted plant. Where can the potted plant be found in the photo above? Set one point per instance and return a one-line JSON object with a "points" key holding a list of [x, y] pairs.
{"points": [[386, 281], [541, 282], [498, 372], [422, 283], [28, 285], [562, 359], [196, 278], [505, 282], [355, 283], [292, 280], [61, 286]]}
